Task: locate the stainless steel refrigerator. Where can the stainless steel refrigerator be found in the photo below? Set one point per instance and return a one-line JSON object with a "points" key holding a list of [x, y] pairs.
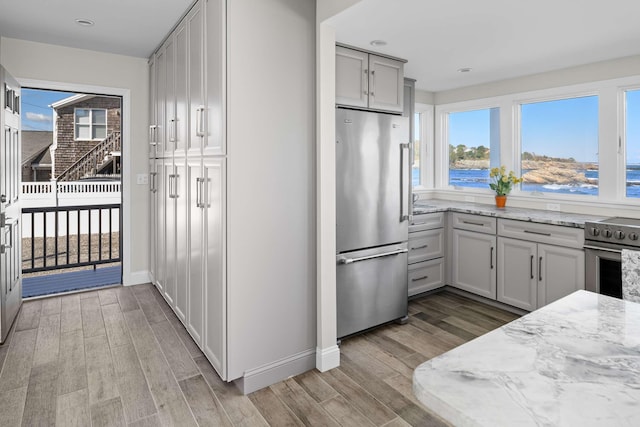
{"points": [[373, 207]]}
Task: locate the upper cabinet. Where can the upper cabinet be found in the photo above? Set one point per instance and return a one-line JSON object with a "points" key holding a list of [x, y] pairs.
{"points": [[368, 81]]}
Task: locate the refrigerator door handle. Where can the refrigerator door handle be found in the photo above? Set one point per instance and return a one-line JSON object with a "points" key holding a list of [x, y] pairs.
{"points": [[405, 190], [345, 260]]}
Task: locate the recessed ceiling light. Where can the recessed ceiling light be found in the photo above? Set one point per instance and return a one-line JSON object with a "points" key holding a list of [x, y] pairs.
{"points": [[465, 70], [378, 43], [85, 22]]}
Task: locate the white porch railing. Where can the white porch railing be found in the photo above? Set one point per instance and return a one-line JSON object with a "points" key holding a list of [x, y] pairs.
{"points": [[70, 193]]}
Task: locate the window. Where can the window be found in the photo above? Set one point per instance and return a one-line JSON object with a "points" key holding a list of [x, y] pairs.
{"points": [[474, 146], [559, 146], [415, 166], [90, 123], [632, 139]]}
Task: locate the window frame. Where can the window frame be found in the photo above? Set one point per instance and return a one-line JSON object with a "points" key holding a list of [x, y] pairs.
{"points": [[622, 138], [91, 124], [426, 112]]}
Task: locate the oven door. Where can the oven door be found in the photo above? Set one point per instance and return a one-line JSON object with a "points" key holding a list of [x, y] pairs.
{"points": [[603, 270]]}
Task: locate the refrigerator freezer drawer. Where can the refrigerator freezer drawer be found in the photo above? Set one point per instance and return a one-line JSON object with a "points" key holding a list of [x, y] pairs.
{"points": [[371, 288]]}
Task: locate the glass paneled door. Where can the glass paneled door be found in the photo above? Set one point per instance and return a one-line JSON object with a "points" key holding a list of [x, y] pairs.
{"points": [[10, 209]]}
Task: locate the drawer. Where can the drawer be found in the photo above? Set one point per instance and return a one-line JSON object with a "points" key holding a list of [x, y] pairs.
{"points": [[482, 224], [426, 222], [425, 276], [542, 233], [425, 245]]}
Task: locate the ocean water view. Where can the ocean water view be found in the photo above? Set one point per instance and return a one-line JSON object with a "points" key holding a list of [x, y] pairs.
{"points": [[479, 178]]}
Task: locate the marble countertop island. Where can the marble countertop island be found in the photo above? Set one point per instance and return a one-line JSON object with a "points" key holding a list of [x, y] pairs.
{"points": [[575, 362], [520, 214]]}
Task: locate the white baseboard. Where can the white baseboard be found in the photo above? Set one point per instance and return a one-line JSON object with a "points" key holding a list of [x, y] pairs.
{"points": [[327, 358], [272, 373], [135, 277]]}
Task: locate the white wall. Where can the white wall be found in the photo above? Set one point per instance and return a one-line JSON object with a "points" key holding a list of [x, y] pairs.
{"points": [[62, 67], [271, 208]]}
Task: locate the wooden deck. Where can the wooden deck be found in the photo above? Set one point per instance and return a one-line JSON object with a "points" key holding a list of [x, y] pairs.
{"points": [[36, 286]]}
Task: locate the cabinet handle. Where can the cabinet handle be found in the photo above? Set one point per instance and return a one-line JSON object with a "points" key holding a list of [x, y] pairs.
{"points": [[416, 279], [198, 193], [479, 224], [491, 257], [531, 266], [419, 247], [540, 269], [373, 82], [153, 182], [173, 130], [418, 223], [537, 232], [200, 121], [366, 73]]}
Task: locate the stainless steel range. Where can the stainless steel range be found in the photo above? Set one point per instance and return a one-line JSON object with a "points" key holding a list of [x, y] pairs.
{"points": [[603, 244]]}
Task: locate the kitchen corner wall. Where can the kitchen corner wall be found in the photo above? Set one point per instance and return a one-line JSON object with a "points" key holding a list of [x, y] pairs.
{"points": [[64, 67]]}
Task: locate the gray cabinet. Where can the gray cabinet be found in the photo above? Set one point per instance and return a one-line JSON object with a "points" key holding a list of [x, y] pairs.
{"points": [[538, 263], [474, 262], [366, 80], [426, 253], [517, 273]]}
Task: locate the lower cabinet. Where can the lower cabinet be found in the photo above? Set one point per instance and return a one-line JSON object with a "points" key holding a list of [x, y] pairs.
{"points": [[426, 253], [188, 260], [532, 275], [474, 262]]}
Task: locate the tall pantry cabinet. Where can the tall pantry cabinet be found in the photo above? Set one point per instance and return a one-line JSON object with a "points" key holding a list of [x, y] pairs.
{"points": [[187, 177], [233, 147]]}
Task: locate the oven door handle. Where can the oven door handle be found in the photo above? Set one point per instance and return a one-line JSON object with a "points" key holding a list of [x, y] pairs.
{"points": [[599, 248]]}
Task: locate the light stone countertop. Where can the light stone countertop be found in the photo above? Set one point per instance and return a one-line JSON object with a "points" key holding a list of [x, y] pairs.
{"points": [[575, 362], [520, 214]]}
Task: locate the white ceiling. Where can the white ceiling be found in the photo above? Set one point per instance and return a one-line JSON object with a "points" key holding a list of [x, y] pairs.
{"points": [[126, 27], [499, 39]]}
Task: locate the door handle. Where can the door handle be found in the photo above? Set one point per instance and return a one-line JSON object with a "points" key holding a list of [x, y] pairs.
{"points": [[405, 197], [153, 182], [531, 265], [200, 121], [173, 130], [200, 192], [345, 260], [491, 257], [540, 269]]}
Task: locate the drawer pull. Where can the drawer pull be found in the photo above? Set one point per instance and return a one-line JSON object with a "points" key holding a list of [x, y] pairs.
{"points": [[538, 232], [416, 279], [418, 223], [479, 224], [419, 247]]}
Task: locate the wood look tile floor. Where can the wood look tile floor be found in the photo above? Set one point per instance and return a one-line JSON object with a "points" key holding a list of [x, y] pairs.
{"points": [[119, 356]]}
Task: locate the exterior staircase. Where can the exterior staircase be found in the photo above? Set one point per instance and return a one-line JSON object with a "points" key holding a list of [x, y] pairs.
{"points": [[95, 160]]}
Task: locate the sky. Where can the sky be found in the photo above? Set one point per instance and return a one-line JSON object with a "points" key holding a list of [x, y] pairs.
{"points": [[36, 114], [561, 128]]}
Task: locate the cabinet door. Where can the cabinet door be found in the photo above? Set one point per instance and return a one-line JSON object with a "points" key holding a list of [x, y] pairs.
{"points": [[517, 275], [169, 284], [352, 74], [386, 84], [153, 220], [474, 261], [182, 233], [195, 215], [161, 201], [170, 98], [152, 107], [181, 124], [195, 28], [561, 272], [214, 141], [160, 102], [214, 200]]}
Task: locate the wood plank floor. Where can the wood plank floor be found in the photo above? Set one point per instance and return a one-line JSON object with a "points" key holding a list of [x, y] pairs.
{"points": [[119, 356]]}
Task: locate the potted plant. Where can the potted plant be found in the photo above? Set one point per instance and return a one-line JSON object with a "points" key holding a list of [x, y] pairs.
{"points": [[502, 183]]}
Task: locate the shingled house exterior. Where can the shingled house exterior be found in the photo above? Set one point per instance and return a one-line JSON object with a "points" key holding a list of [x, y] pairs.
{"points": [[81, 123], [36, 155]]}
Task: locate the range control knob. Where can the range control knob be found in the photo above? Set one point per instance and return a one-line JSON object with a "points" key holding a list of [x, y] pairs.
{"points": [[619, 235], [607, 233], [594, 231], [633, 236]]}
